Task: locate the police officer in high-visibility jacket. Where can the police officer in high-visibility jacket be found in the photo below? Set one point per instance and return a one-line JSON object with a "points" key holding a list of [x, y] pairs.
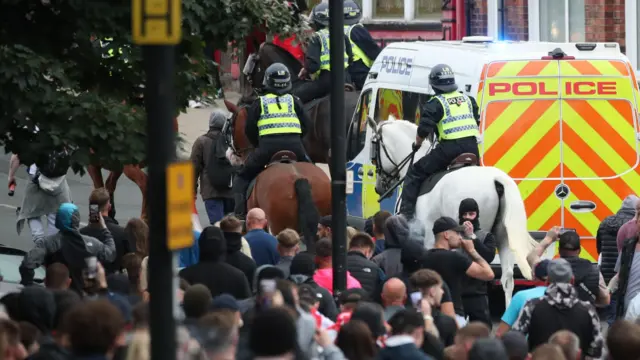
{"points": [[365, 49], [317, 59], [276, 121], [455, 118]]}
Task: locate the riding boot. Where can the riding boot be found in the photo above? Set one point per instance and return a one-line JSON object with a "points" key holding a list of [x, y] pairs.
{"points": [[410, 190], [240, 206]]}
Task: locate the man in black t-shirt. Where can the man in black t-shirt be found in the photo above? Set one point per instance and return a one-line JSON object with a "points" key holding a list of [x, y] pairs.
{"points": [[453, 266]]}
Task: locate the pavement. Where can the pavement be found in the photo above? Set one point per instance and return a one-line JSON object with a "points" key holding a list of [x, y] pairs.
{"points": [[128, 198]]}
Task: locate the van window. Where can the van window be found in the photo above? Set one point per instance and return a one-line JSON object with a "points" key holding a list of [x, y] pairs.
{"points": [[401, 104], [358, 128]]}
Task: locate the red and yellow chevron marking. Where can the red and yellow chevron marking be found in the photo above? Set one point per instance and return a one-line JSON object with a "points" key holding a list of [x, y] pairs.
{"points": [[593, 149]]}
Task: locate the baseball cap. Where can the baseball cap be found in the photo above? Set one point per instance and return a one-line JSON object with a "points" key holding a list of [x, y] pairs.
{"points": [[559, 271], [446, 223], [569, 240], [541, 269]]}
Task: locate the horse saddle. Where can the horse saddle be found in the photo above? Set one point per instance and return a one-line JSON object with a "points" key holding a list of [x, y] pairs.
{"points": [[461, 161], [281, 157]]}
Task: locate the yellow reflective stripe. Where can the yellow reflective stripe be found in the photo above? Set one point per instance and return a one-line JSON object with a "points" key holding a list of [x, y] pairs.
{"points": [[500, 124], [617, 121], [594, 140], [589, 67], [529, 139], [577, 165], [370, 204], [543, 213], [522, 68]]}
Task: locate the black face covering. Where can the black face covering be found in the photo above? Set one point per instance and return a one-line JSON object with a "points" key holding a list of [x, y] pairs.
{"points": [[469, 205]]}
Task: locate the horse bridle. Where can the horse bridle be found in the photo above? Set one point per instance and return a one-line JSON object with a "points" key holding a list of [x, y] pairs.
{"points": [[377, 144], [227, 133]]}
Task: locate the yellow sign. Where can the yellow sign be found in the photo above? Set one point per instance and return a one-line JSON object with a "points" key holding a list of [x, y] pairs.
{"points": [[180, 197], [156, 22]]}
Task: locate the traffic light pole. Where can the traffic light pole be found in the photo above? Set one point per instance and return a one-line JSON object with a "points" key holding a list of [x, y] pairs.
{"points": [[159, 61], [338, 147]]}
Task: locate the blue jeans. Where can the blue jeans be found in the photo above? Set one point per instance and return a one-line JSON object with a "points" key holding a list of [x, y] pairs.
{"points": [[217, 208]]}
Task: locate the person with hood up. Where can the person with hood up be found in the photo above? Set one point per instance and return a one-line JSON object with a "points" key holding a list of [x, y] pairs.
{"points": [[396, 231], [69, 247], [301, 272], [474, 292], [561, 309], [232, 229], [211, 269], [212, 169]]}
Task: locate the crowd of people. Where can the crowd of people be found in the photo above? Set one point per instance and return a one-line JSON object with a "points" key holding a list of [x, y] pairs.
{"points": [[252, 295]]}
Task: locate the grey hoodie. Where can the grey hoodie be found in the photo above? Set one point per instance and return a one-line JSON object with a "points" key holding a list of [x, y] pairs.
{"points": [[396, 231]]}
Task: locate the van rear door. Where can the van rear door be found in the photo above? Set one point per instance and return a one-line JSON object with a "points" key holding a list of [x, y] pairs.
{"points": [[599, 143], [520, 112]]}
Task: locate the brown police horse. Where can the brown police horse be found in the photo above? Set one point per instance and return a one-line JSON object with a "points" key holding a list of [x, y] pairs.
{"points": [[132, 171], [292, 194]]}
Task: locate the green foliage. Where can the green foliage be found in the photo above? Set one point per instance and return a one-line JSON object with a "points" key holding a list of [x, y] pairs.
{"points": [[55, 73]]}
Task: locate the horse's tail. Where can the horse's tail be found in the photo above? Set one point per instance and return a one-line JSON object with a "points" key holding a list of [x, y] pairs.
{"points": [[308, 215], [513, 216]]}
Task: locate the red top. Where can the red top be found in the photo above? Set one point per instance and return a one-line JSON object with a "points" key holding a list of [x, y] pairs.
{"points": [[291, 46]]}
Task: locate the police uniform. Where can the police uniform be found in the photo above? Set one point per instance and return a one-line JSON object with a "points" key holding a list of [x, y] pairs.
{"points": [[455, 118], [317, 59], [274, 123], [365, 49]]}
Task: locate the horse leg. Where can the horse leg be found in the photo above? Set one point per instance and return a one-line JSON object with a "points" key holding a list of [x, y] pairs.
{"points": [[507, 261], [95, 172], [110, 186], [135, 174]]}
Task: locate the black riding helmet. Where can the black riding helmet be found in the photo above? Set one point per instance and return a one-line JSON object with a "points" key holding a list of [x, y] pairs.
{"points": [[320, 15], [352, 12], [277, 79], [442, 78]]}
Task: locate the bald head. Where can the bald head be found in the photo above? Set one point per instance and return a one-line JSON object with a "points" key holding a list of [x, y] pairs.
{"points": [[256, 219], [394, 292]]}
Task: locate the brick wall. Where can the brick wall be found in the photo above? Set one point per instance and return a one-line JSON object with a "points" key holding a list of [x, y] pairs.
{"points": [[516, 20], [604, 21], [478, 18]]}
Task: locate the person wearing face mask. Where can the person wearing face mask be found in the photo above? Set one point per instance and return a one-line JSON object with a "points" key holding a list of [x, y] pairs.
{"points": [[474, 292]]}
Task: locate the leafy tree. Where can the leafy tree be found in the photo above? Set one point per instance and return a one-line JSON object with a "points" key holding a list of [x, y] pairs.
{"points": [[56, 73]]}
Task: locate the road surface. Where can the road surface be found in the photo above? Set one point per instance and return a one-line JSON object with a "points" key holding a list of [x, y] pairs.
{"points": [[128, 201]]}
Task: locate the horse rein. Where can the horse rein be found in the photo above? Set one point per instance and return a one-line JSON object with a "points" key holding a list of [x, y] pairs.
{"points": [[227, 133]]}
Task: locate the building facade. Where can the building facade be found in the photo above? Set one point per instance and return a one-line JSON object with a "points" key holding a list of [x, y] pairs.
{"points": [[532, 20]]}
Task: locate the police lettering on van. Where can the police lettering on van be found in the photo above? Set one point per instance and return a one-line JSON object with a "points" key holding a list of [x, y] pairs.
{"points": [[528, 88], [396, 65]]}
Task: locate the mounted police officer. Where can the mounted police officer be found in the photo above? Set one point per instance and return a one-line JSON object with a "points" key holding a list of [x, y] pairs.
{"points": [[365, 49], [317, 59], [455, 118], [276, 121]]}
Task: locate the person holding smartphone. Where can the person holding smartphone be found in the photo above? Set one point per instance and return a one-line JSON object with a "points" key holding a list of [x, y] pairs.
{"points": [[69, 247], [99, 207]]}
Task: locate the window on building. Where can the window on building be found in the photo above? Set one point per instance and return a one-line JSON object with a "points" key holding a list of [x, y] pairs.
{"points": [[428, 9], [388, 9], [562, 20]]}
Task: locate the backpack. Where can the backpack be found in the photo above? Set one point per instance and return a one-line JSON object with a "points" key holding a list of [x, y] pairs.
{"points": [[55, 163], [219, 169]]}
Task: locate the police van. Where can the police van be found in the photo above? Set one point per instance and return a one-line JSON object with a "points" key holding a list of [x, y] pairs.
{"points": [[560, 118]]}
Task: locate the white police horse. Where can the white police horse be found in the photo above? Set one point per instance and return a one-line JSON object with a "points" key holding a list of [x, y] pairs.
{"points": [[504, 215]]}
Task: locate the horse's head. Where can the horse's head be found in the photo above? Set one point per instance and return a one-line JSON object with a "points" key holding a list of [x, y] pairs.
{"points": [[391, 151], [233, 132], [268, 53]]}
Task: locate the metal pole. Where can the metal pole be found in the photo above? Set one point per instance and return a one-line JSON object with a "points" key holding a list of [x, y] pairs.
{"points": [[338, 147], [159, 97]]}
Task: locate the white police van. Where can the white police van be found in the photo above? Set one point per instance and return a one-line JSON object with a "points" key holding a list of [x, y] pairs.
{"points": [[509, 73]]}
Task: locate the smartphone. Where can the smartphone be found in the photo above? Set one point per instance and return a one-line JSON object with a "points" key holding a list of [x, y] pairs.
{"points": [[91, 271], [94, 212], [415, 299]]}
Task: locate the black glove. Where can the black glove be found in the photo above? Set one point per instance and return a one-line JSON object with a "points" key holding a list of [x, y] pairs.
{"points": [[415, 147]]}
